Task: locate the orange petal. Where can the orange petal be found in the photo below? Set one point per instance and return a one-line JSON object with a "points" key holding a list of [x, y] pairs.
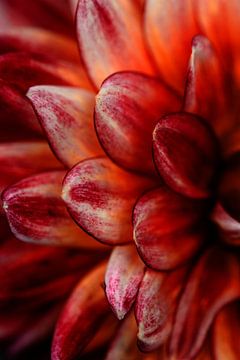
{"points": [[222, 30], [183, 142], [110, 37], [168, 42], [213, 283], [36, 212], [81, 317], [66, 115], [128, 107], [206, 93], [100, 197], [168, 229], [40, 70], [155, 307], [124, 273], [225, 333]]}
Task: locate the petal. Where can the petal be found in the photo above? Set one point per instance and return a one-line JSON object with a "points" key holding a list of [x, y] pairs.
{"points": [[18, 120], [21, 159], [155, 307], [128, 107], [38, 41], [66, 115], [206, 93], [123, 346], [182, 143], [86, 309], [43, 13], [25, 70], [229, 186], [36, 212], [124, 273], [213, 283], [168, 229], [222, 30], [225, 330], [228, 227], [164, 24], [100, 197], [110, 37]]}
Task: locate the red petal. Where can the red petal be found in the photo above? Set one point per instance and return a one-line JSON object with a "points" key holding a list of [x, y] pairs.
{"points": [[38, 41], [155, 307], [25, 70], [225, 332], [206, 94], [123, 276], [164, 24], [213, 283], [18, 120], [43, 13], [128, 107], [21, 159], [168, 229], [110, 37], [66, 115], [100, 196], [222, 30], [183, 143], [81, 317], [228, 227], [36, 212]]}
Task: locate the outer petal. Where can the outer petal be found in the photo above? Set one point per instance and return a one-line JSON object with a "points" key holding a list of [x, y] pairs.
{"points": [[25, 70], [155, 307], [228, 227], [213, 283], [222, 30], [206, 92], [43, 13], [110, 37], [18, 120], [36, 213], [124, 273], [225, 331], [21, 159], [66, 115], [38, 41], [168, 42], [100, 196], [81, 317], [167, 228], [182, 143], [128, 107]]}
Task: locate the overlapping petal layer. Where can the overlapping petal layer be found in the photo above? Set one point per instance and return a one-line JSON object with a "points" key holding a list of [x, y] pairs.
{"points": [[100, 196], [66, 114], [36, 212], [205, 294], [110, 37], [128, 107], [165, 221]]}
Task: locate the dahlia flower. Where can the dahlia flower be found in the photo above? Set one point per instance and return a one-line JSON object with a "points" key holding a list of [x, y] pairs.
{"points": [[121, 135]]}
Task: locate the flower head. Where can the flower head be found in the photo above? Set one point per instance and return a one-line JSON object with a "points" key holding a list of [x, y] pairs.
{"points": [[145, 133]]}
